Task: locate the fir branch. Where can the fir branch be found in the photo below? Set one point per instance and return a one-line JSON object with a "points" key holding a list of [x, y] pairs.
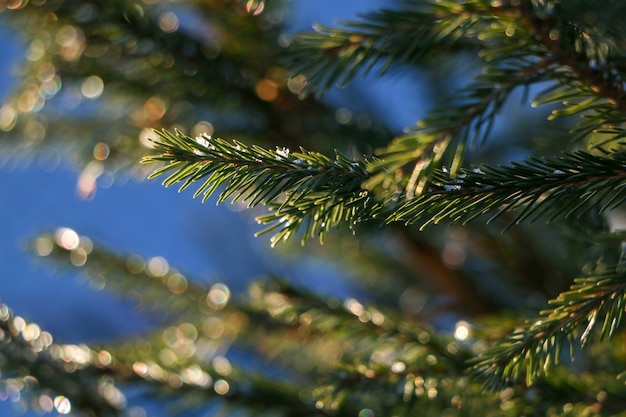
{"points": [[207, 383], [386, 37], [91, 379], [371, 329], [590, 52], [186, 304], [381, 352], [302, 188], [581, 83], [417, 393], [272, 310], [472, 110], [33, 364], [559, 187], [599, 110], [467, 117], [588, 64], [158, 289], [390, 36], [593, 302]]}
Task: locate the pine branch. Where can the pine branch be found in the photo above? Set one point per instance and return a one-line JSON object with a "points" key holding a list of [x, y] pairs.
{"points": [[302, 188], [417, 391], [597, 115], [594, 302], [588, 65], [566, 186]]}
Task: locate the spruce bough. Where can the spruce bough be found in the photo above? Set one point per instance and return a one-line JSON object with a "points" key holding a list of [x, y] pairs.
{"points": [[495, 286]]}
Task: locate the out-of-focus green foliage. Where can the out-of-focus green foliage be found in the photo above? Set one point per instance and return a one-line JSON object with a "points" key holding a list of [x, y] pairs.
{"points": [[452, 319], [114, 71]]}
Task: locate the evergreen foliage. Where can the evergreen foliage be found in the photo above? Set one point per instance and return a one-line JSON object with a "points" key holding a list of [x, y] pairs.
{"points": [[472, 317]]}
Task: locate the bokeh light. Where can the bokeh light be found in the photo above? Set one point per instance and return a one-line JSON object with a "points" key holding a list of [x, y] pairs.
{"points": [[221, 387], [67, 238], [45, 403], [255, 6], [462, 330], [62, 404], [101, 151], [266, 89], [218, 296], [157, 266], [366, 412], [169, 22], [92, 87]]}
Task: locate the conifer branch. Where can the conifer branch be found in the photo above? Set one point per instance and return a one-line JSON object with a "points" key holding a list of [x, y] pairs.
{"points": [[184, 306], [594, 302], [338, 54], [371, 329], [158, 289], [559, 187], [92, 380], [473, 110], [303, 189], [380, 350], [169, 73], [590, 52], [33, 364], [588, 65], [277, 310], [381, 39], [586, 87], [206, 383]]}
